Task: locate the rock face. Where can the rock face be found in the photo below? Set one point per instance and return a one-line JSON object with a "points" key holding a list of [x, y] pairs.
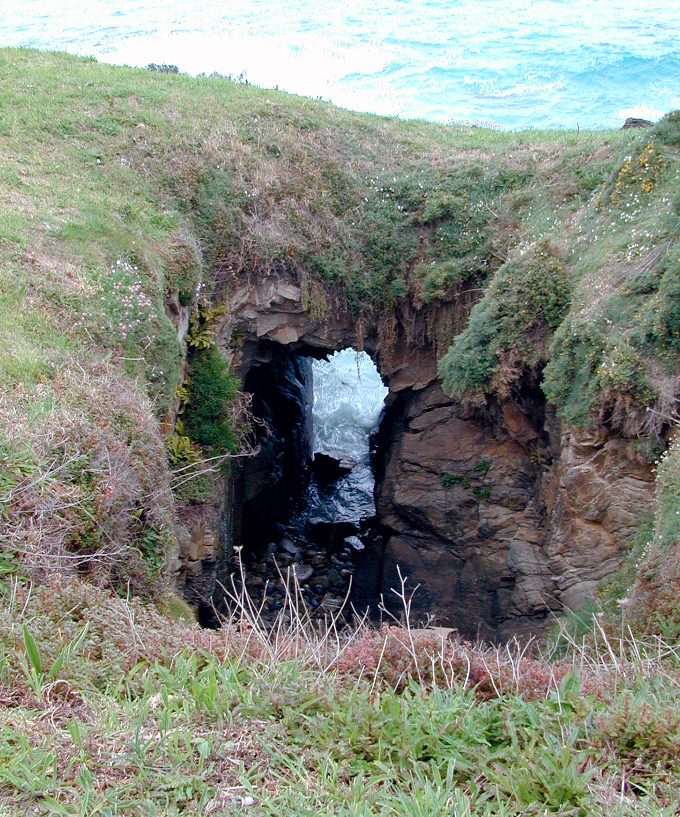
{"points": [[501, 514], [598, 493], [460, 493]]}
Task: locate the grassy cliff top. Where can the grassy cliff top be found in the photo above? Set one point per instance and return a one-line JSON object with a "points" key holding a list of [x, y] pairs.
{"points": [[122, 190]]}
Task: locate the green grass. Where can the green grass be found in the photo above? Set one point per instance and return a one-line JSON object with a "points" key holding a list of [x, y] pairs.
{"points": [[110, 708]]}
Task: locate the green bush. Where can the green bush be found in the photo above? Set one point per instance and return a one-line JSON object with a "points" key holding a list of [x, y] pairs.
{"points": [[508, 330], [571, 379], [213, 388], [467, 367], [667, 129]]}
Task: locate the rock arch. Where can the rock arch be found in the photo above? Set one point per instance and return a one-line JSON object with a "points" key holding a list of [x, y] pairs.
{"points": [[502, 515]]}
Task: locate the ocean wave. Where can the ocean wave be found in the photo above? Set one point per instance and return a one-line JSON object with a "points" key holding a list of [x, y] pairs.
{"points": [[521, 63]]}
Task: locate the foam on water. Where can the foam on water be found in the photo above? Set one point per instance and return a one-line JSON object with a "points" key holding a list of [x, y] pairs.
{"points": [[515, 63], [348, 399]]}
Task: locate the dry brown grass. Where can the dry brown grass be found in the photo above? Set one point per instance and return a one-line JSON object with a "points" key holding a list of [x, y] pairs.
{"points": [[89, 481]]}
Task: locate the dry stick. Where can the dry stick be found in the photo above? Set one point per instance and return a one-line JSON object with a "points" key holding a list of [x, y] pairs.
{"points": [[406, 604], [194, 475], [334, 619], [490, 674], [243, 614], [50, 472], [247, 611], [607, 644], [353, 636], [377, 669]]}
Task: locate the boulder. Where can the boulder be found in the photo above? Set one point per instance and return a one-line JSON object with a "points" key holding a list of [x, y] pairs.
{"points": [[328, 469]]}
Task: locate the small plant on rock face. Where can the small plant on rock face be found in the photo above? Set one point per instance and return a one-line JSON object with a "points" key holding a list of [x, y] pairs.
{"points": [[482, 491], [482, 467], [181, 450], [449, 480]]}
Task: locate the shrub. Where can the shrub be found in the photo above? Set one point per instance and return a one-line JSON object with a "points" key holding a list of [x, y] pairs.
{"points": [[571, 379], [507, 333], [213, 388], [667, 129]]}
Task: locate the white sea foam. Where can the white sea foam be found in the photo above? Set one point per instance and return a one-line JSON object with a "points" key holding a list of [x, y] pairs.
{"points": [[348, 398], [640, 112]]}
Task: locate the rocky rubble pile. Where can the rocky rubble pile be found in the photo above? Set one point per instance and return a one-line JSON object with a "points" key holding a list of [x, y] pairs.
{"points": [[322, 572]]}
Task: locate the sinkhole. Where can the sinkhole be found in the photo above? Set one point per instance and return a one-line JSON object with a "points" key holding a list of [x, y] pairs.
{"points": [[308, 497]]}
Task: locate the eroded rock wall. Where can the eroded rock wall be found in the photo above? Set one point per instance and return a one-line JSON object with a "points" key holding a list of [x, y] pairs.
{"points": [[460, 493], [501, 514]]}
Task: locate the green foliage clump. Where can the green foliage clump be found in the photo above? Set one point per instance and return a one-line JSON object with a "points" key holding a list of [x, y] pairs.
{"points": [[508, 330], [570, 379], [448, 480], [180, 448], [482, 467], [213, 389], [162, 360], [621, 351], [482, 492], [659, 316], [436, 281], [667, 129]]}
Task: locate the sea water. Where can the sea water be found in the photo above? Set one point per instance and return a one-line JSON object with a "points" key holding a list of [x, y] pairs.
{"points": [[507, 63], [348, 400]]}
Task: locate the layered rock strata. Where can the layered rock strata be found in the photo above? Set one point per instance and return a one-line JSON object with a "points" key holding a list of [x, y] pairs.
{"points": [[502, 515]]}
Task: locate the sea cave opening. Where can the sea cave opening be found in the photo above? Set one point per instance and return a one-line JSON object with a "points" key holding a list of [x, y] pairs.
{"points": [[308, 507]]}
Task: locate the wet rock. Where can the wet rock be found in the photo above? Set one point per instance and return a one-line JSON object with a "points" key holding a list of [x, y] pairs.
{"points": [[255, 582], [288, 546], [329, 469], [354, 542], [330, 534], [335, 578], [303, 573]]}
